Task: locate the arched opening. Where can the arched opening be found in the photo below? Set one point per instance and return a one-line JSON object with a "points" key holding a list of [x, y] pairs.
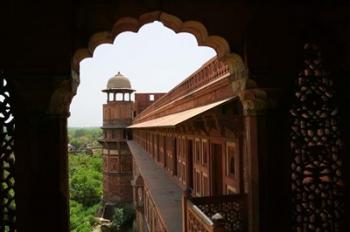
{"points": [[219, 44], [39, 75], [224, 65]]}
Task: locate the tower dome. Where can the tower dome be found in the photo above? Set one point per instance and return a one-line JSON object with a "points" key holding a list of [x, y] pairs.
{"points": [[118, 82]]}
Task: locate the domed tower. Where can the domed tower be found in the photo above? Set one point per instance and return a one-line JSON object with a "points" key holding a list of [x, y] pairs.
{"points": [[117, 160]]}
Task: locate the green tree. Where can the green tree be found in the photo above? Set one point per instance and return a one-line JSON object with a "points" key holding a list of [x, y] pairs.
{"points": [[124, 216], [85, 178], [81, 218], [86, 187]]}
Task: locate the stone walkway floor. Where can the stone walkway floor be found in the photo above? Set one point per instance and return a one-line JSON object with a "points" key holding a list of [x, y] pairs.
{"points": [[165, 193]]}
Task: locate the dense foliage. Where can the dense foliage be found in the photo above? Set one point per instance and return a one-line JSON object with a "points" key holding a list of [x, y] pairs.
{"points": [[85, 179], [123, 218], [85, 182]]}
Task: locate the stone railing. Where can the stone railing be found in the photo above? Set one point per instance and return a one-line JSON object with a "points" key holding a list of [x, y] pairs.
{"points": [[215, 213]]}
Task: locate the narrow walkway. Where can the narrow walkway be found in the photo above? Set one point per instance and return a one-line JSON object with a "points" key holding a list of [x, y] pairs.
{"points": [[165, 193]]}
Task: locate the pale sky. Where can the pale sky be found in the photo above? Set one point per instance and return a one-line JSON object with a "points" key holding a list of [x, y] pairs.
{"points": [[155, 59]]}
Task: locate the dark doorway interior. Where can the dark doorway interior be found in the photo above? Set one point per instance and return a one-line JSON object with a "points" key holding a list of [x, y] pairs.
{"points": [[175, 157], [189, 164], [216, 156]]}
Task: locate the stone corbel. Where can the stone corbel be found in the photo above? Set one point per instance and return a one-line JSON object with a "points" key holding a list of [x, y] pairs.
{"points": [[254, 101], [218, 126], [63, 95], [239, 85]]}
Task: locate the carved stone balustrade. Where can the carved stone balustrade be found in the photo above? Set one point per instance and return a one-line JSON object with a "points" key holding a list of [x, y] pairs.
{"points": [[200, 212]]}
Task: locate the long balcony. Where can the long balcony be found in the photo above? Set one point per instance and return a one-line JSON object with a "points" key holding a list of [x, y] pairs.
{"points": [[163, 193], [215, 213]]}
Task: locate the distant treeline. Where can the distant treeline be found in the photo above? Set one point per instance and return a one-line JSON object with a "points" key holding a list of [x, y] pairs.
{"points": [[84, 138]]}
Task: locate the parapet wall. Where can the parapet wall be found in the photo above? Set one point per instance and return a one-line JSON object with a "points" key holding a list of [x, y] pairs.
{"points": [[208, 84], [143, 100]]}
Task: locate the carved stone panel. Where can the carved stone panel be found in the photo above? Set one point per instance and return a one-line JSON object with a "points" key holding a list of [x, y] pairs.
{"points": [[315, 146], [7, 160]]}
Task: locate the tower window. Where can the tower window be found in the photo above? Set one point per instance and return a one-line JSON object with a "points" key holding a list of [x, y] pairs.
{"points": [[151, 97]]}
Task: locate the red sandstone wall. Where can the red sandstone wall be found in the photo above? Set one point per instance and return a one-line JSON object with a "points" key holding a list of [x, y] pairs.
{"points": [[117, 112], [112, 164], [114, 134], [142, 101], [116, 184], [116, 188], [117, 169]]}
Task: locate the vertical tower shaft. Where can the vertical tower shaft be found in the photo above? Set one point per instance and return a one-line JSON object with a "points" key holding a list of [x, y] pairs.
{"points": [[117, 160]]}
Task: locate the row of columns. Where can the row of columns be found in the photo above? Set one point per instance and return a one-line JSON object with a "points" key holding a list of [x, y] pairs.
{"points": [[123, 97]]}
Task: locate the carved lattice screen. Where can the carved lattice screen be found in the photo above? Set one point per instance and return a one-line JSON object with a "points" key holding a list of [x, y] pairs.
{"points": [[231, 207], [7, 161], [315, 145]]}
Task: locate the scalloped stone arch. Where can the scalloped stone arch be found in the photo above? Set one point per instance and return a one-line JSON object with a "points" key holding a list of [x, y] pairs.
{"points": [[219, 44]]}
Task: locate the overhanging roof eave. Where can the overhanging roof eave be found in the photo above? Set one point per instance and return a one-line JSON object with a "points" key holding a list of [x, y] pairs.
{"points": [[172, 120]]}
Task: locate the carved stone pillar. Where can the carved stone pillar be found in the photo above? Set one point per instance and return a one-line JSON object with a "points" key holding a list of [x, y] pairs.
{"points": [[254, 104], [41, 111]]}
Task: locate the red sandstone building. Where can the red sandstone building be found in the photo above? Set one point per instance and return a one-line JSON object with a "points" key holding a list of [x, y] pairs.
{"points": [[292, 166], [118, 114], [188, 154], [188, 151]]}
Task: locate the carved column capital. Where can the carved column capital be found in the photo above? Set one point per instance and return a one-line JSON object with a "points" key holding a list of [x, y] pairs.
{"points": [[63, 95], [43, 95], [254, 101]]}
